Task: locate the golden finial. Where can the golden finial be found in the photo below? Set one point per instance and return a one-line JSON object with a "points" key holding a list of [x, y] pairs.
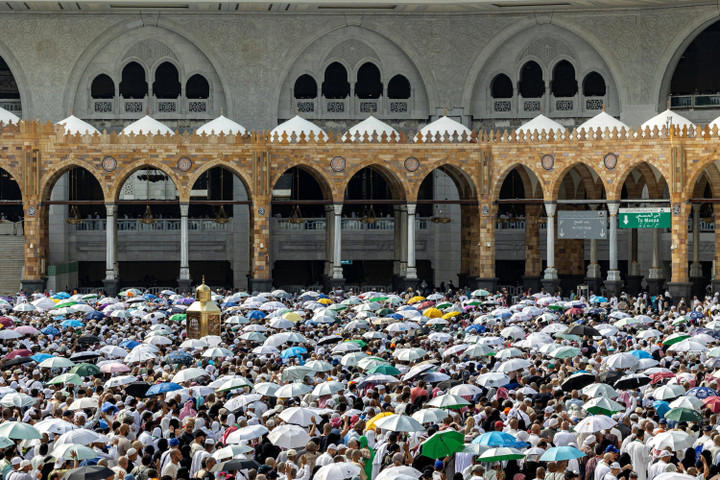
{"points": [[668, 104], [603, 106], [203, 278], [444, 111]]}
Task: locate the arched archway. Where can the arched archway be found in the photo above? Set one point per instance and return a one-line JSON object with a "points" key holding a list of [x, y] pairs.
{"points": [[564, 83], [9, 92], [167, 81], [594, 85], [501, 86], [398, 88], [302, 212], [336, 85], [133, 83], [197, 87], [518, 228], [11, 233], [447, 214], [102, 87], [369, 85], [305, 87], [531, 84]]}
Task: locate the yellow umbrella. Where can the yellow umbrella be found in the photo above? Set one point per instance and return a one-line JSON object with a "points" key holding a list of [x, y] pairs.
{"points": [[416, 299], [432, 312], [325, 301], [450, 315], [370, 425], [292, 316]]}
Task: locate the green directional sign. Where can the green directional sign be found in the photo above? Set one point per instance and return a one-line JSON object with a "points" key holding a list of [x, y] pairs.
{"points": [[644, 217]]}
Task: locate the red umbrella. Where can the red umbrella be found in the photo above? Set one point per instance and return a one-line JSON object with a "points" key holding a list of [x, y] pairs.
{"points": [[425, 305], [713, 403], [23, 352], [658, 377], [574, 311], [6, 322]]}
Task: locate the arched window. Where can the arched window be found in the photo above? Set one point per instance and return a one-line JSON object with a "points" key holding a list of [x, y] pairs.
{"points": [[698, 71], [305, 87], [133, 84], [8, 87], [594, 85], [501, 86], [167, 83], [197, 87], [563, 80], [368, 82], [531, 81], [102, 87], [336, 83], [398, 88]]}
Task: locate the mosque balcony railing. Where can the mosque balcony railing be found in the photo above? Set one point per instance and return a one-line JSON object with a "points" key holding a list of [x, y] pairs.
{"points": [[564, 106], [518, 106], [348, 224], [353, 107], [158, 225], [682, 102], [162, 108], [11, 105]]}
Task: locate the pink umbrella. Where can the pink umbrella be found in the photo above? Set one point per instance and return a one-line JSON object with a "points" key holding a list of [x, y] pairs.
{"points": [[114, 367], [27, 330]]}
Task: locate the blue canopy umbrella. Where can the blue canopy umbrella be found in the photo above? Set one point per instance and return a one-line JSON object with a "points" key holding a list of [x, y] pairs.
{"points": [[39, 357], [396, 316], [61, 296], [149, 296], [179, 357], [696, 315], [498, 439], [255, 315], [702, 392], [50, 330], [72, 323], [639, 354], [476, 328], [293, 352], [558, 454], [160, 388], [598, 299], [228, 304], [661, 407], [94, 315], [130, 344]]}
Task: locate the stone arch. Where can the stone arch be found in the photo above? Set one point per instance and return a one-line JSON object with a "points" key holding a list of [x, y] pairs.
{"points": [[463, 181], [58, 169], [125, 174], [392, 56], [317, 175], [17, 175], [116, 44], [507, 52], [184, 193], [531, 180], [588, 176], [709, 166], [647, 169], [20, 79], [398, 189]]}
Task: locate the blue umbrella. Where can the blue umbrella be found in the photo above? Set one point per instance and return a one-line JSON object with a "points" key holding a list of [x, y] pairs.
{"points": [[702, 392], [72, 323], [597, 299], [50, 331], [149, 296], [61, 296], [696, 315], [498, 439], [228, 304], [255, 315], [558, 454], [396, 316], [129, 344], [39, 357], [94, 315], [661, 407], [477, 328], [640, 354], [160, 388], [179, 357], [293, 352]]}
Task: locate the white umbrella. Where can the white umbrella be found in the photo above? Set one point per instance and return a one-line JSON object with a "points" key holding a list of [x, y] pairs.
{"points": [[465, 390], [138, 355], [194, 344], [447, 401], [399, 423], [294, 389], [493, 379], [676, 440], [231, 451], [289, 436], [514, 364], [16, 399], [58, 426], [245, 434], [56, 362], [73, 452], [9, 335], [393, 473], [621, 360], [337, 471], [594, 423], [236, 403], [688, 346], [81, 436], [430, 415], [327, 388], [120, 381], [112, 351], [299, 416], [83, 403], [187, 374], [266, 388], [689, 401], [667, 392]]}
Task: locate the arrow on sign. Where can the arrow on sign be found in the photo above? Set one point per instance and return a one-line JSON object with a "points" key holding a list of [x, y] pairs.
{"points": [[602, 233], [562, 233], [626, 221]]}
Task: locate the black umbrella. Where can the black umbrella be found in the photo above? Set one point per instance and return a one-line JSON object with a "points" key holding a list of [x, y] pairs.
{"points": [[447, 384], [137, 389], [583, 331], [82, 356], [236, 464], [578, 381], [610, 377], [92, 472], [89, 339], [329, 339], [16, 361], [632, 382]]}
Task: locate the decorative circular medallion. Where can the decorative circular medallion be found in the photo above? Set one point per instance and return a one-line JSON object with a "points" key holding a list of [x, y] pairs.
{"points": [[184, 164], [547, 161], [412, 164], [261, 211], [31, 211], [610, 160], [109, 164], [337, 164]]}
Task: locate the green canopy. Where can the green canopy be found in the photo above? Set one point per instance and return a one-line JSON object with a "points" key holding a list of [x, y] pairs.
{"points": [[384, 368], [73, 378], [683, 415], [85, 369], [178, 317], [443, 444]]}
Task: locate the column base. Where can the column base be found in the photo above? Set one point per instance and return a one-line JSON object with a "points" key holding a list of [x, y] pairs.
{"points": [[31, 286], [531, 282], [409, 283], [184, 285], [260, 284], [594, 284], [489, 284], [680, 290], [550, 284], [634, 284], [698, 286], [613, 287], [715, 286], [111, 286], [655, 285], [330, 283]]}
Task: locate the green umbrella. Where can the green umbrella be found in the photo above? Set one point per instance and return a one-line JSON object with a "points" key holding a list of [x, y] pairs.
{"points": [[5, 442], [379, 299], [569, 336], [681, 414], [178, 317], [73, 378], [480, 293], [565, 352], [360, 343], [385, 311], [442, 444], [85, 369], [337, 307], [443, 305], [384, 368], [675, 338], [18, 431], [474, 303], [65, 304], [557, 308], [602, 405], [500, 454]]}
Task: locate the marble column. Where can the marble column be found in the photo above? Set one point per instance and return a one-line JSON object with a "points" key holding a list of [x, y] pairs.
{"points": [[550, 279], [111, 281], [337, 273], [184, 281], [614, 283], [411, 274]]}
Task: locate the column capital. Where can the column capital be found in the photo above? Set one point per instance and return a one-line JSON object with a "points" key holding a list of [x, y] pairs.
{"points": [[411, 207], [337, 208], [110, 209], [613, 208], [696, 209], [550, 208], [184, 209]]}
